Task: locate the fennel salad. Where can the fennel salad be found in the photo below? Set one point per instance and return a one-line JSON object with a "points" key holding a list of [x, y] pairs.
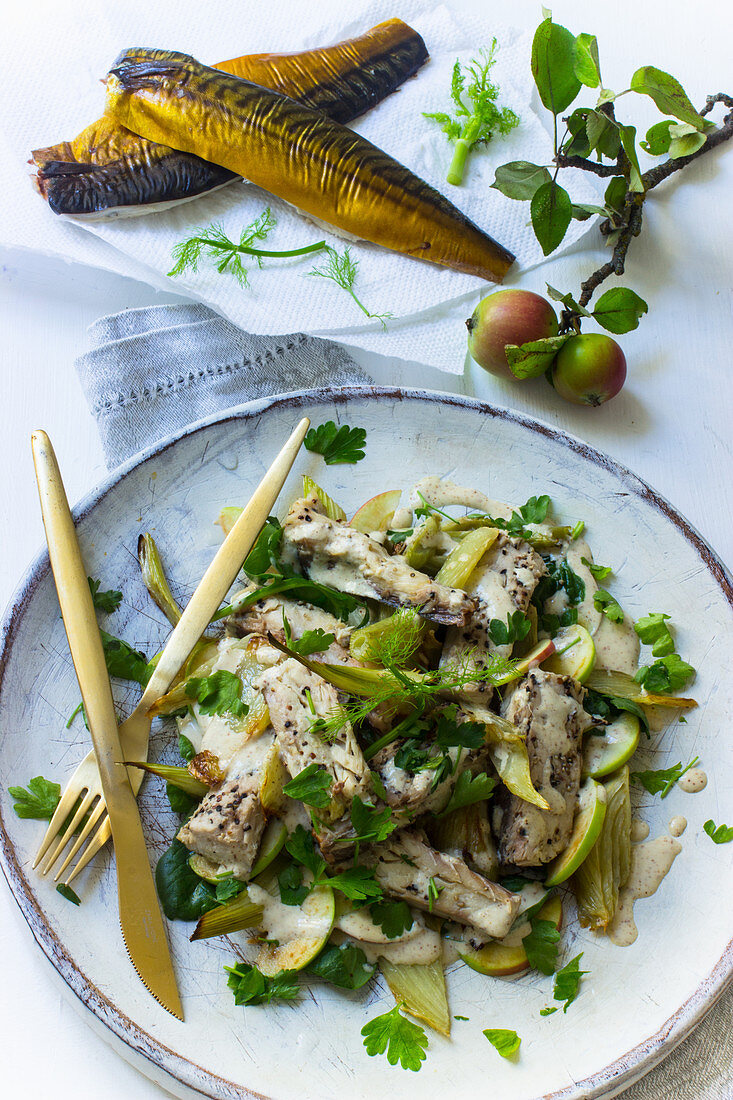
{"points": [[407, 744]]}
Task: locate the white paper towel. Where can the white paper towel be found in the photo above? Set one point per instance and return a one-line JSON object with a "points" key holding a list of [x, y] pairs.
{"points": [[56, 91]]}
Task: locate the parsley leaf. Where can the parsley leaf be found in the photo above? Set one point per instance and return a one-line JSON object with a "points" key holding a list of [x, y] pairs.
{"points": [[219, 693], [606, 603], [356, 883], [311, 786], [344, 966], [653, 630], [393, 917], [227, 887], [504, 1041], [337, 445], [515, 883], [371, 824], [264, 553], [667, 674], [461, 1018], [610, 706], [548, 1011], [312, 641], [301, 847], [567, 982], [515, 629], [598, 572], [540, 946], [535, 510], [663, 779], [469, 789], [403, 1040], [290, 882], [39, 800], [723, 834], [451, 734], [251, 987], [185, 748], [123, 661], [104, 601], [66, 892]]}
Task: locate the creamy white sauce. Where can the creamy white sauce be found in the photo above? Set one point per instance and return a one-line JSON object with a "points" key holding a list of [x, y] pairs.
{"points": [[402, 519], [617, 646], [442, 493], [650, 862], [639, 830], [418, 950], [677, 825], [358, 925], [695, 780]]}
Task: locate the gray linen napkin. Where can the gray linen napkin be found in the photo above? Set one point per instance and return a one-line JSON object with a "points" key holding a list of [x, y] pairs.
{"points": [[151, 371], [154, 370]]}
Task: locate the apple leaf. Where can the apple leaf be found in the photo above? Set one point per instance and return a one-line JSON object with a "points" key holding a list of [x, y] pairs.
{"points": [[620, 309], [553, 66], [532, 359], [658, 138], [628, 140], [586, 65], [668, 94], [520, 179], [551, 211]]}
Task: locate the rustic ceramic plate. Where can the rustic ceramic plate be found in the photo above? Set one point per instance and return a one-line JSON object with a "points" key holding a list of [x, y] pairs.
{"points": [[636, 1003]]}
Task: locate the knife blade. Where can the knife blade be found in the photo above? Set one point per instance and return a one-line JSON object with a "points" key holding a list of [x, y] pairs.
{"points": [[140, 918]]}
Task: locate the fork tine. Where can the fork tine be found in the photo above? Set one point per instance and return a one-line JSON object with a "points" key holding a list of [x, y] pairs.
{"points": [[61, 812], [100, 838], [64, 838]]}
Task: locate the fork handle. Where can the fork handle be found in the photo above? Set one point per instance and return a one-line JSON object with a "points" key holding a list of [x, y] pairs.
{"points": [[219, 577]]}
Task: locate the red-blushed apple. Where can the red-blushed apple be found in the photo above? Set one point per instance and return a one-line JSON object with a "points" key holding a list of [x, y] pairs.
{"points": [[507, 317], [589, 369]]}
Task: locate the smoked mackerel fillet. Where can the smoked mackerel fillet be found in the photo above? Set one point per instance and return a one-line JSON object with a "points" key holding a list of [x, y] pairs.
{"points": [[294, 152], [107, 171]]}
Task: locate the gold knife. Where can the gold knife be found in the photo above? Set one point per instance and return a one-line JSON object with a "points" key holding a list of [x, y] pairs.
{"points": [[140, 918]]}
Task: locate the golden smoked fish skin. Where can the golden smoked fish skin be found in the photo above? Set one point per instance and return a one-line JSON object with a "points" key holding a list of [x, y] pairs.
{"points": [[294, 152], [107, 171]]}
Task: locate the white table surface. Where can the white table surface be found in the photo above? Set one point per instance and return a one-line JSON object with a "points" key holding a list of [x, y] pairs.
{"points": [[671, 425]]}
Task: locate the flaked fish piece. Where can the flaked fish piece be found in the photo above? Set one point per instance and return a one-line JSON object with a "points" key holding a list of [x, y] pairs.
{"points": [[502, 583], [548, 710], [335, 554], [296, 698], [266, 617], [227, 826], [406, 867]]}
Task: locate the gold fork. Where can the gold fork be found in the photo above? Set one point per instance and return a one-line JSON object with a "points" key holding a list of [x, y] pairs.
{"points": [[84, 786]]}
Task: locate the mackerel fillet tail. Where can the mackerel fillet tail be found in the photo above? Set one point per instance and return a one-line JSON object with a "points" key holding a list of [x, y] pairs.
{"points": [[294, 152]]}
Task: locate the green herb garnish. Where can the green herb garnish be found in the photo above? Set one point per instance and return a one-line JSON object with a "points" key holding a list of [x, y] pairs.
{"points": [[609, 606], [567, 982], [342, 270], [504, 1041], [401, 1039], [311, 786], [667, 674], [476, 116], [107, 601], [251, 987], [721, 834], [393, 917], [336, 444], [219, 693], [663, 780], [214, 243], [39, 800]]}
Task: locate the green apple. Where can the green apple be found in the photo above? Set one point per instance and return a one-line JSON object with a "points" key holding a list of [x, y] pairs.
{"points": [[501, 960], [586, 828], [603, 755], [302, 931], [377, 512], [575, 653], [271, 845]]}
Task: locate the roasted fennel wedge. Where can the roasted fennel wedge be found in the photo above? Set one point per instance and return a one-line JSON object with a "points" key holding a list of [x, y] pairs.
{"points": [[421, 990], [605, 869]]}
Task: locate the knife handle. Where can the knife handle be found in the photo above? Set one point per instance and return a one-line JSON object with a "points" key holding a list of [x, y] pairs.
{"points": [[77, 606], [222, 572]]}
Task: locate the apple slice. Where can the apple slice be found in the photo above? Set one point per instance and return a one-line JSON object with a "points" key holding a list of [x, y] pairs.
{"points": [[500, 960], [377, 512], [602, 755], [273, 839], [299, 932], [539, 653], [575, 653], [586, 827]]}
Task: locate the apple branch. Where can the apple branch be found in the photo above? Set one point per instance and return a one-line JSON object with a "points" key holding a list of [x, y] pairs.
{"points": [[628, 224]]}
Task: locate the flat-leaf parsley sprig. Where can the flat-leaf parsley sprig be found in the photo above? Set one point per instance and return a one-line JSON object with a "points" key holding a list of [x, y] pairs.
{"points": [[342, 270], [214, 242], [477, 116], [336, 444]]}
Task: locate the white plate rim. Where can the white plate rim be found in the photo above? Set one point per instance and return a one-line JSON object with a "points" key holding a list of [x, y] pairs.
{"points": [[603, 1083]]}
